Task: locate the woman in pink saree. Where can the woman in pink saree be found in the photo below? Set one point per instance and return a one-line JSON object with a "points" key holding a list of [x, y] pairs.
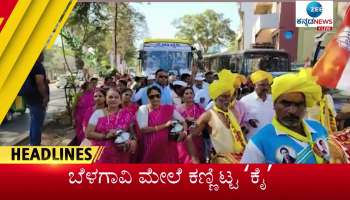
{"points": [[102, 128], [126, 101], [100, 103], [154, 121], [84, 101], [128, 105], [190, 111]]}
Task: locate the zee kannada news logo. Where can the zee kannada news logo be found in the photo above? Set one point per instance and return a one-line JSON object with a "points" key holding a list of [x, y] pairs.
{"points": [[314, 10]]}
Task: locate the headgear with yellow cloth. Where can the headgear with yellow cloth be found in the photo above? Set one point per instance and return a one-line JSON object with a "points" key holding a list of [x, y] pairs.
{"points": [[302, 82], [227, 82], [261, 75], [305, 83]]}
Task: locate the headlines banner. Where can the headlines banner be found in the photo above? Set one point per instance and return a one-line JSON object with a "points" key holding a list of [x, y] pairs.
{"points": [[147, 181], [49, 154]]}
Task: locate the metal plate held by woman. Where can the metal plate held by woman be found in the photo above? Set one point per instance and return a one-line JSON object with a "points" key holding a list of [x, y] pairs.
{"points": [[122, 137], [175, 130]]}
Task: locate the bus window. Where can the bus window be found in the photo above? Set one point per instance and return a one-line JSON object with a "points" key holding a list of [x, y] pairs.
{"points": [[267, 61], [167, 60]]}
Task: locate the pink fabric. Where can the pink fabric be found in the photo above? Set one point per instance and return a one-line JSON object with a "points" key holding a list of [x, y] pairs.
{"points": [[111, 154], [132, 108], [190, 112], [135, 158], [240, 112], [157, 148], [87, 115], [85, 101]]}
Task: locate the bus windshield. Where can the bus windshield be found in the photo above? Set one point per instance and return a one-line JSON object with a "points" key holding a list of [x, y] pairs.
{"points": [[168, 60], [267, 61]]}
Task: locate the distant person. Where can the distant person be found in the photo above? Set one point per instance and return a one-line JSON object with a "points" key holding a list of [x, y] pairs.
{"points": [[198, 83], [162, 84], [185, 77], [121, 85], [259, 104], [209, 77], [108, 83], [177, 90], [94, 82], [100, 103], [36, 93], [127, 104], [82, 102]]}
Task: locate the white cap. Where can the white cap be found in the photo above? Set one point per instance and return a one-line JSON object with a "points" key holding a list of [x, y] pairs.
{"points": [[151, 77], [199, 77], [185, 71], [181, 83]]}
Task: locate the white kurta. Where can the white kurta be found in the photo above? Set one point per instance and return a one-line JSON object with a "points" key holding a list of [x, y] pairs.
{"points": [[258, 109]]}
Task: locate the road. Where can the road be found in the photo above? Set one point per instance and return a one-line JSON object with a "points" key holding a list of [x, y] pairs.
{"points": [[16, 130]]}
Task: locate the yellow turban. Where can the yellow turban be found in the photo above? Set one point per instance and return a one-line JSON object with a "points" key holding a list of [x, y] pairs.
{"points": [[261, 75], [226, 83], [302, 81], [234, 78]]}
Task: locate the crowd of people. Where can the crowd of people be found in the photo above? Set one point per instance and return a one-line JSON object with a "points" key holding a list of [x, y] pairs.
{"points": [[287, 119]]}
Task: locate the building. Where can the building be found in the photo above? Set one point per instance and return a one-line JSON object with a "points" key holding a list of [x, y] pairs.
{"points": [[245, 36], [264, 23], [274, 23]]}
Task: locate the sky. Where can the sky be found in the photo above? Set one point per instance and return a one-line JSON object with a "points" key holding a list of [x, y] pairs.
{"points": [[159, 16]]}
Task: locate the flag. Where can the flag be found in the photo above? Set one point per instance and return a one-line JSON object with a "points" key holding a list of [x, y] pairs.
{"points": [[27, 26], [333, 68]]}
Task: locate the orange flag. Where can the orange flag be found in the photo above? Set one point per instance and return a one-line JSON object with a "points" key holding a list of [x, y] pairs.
{"points": [[333, 68]]}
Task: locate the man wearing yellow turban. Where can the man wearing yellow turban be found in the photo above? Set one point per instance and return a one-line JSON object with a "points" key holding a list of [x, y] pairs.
{"points": [[258, 104], [226, 135], [290, 138]]}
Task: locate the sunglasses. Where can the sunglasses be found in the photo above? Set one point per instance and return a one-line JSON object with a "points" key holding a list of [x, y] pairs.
{"points": [[154, 96], [163, 76]]}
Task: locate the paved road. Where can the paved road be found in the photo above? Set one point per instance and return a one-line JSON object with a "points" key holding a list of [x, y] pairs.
{"points": [[17, 129]]}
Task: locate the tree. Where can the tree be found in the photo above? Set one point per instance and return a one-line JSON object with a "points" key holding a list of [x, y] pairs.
{"points": [[94, 31], [205, 29], [88, 28], [129, 25]]}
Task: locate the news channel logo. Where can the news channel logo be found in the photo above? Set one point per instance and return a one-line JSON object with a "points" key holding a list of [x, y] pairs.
{"points": [[314, 14]]}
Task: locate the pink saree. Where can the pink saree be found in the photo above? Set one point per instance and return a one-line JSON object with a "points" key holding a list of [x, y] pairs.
{"points": [[157, 148], [191, 112], [111, 154], [85, 101], [132, 108]]}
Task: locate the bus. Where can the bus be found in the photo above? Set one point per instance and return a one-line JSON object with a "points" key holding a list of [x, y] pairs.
{"points": [[275, 61], [172, 55], [247, 61], [217, 62]]}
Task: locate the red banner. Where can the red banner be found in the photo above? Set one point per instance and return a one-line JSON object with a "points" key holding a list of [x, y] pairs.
{"points": [[175, 181], [6, 8]]}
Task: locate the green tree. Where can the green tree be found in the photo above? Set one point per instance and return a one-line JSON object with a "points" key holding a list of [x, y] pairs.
{"points": [[129, 25], [86, 33], [205, 29], [94, 31]]}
